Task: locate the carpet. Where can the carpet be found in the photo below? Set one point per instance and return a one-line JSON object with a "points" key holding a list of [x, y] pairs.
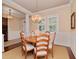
{"points": [[58, 51]]}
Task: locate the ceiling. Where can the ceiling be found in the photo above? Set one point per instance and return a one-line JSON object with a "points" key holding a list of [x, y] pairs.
{"points": [[15, 13], [38, 5]]}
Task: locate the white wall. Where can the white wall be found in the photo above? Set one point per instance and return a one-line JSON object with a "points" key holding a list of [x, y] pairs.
{"points": [[15, 25], [67, 39], [73, 42], [73, 32], [65, 36], [73, 6], [63, 14]]}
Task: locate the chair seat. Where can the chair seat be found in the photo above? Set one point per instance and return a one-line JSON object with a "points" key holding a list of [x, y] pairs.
{"points": [[29, 47]]}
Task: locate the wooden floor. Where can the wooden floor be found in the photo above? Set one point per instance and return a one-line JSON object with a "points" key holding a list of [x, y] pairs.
{"points": [[71, 55]]}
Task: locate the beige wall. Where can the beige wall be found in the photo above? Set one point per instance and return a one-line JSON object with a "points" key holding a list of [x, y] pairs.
{"points": [[73, 6], [73, 32], [63, 14], [73, 9], [66, 35], [15, 25]]}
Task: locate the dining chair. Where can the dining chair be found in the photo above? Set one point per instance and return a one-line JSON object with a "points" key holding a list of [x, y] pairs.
{"points": [[24, 45], [42, 43], [51, 42]]}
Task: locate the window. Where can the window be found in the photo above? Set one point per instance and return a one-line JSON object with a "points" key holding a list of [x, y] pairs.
{"points": [[42, 25], [52, 24], [48, 24]]}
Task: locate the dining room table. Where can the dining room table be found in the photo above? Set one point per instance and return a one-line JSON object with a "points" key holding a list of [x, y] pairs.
{"points": [[31, 39]]}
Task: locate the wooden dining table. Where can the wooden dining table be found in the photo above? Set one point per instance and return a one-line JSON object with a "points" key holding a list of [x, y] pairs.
{"points": [[31, 39]]}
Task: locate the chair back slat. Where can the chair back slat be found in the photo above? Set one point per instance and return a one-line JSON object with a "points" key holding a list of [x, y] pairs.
{"points": [[52, 37], [41, 50], [42, 45], [42, 42]]}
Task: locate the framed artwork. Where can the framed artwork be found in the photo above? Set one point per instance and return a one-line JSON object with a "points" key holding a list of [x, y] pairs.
{"points": [[73, 20]]}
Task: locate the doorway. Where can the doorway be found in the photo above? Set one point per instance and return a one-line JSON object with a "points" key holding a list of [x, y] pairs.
{"points": [[5, 28]]}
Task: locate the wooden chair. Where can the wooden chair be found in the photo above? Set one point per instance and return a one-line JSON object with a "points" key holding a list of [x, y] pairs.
{"points": [[24, 45], [51, 42], [42, 44]]}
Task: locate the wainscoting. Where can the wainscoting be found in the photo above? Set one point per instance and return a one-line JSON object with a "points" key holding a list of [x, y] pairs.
{"points": [[67, 39]]}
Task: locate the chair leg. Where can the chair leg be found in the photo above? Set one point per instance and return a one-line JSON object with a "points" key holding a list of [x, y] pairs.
{"points": [[46, 57], [35, 57], [22, 52], [25, 55], [52, 52]]}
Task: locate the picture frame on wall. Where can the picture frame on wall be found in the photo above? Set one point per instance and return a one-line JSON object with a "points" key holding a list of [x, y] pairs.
{"points": [[73, 20]]}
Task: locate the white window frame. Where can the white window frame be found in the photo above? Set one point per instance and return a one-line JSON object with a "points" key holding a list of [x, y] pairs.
{"points": [[44, 23], [47, 22], [57, 23]]}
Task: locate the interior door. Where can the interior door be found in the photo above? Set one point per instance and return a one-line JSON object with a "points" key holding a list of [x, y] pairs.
{"points": [[5, 28]]}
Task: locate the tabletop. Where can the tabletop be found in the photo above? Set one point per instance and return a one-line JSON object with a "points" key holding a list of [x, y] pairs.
{"points": [[31, 39]]}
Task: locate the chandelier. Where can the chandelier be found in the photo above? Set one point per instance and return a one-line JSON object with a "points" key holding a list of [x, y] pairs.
{"points": [[36, 18], [10, 10]]}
